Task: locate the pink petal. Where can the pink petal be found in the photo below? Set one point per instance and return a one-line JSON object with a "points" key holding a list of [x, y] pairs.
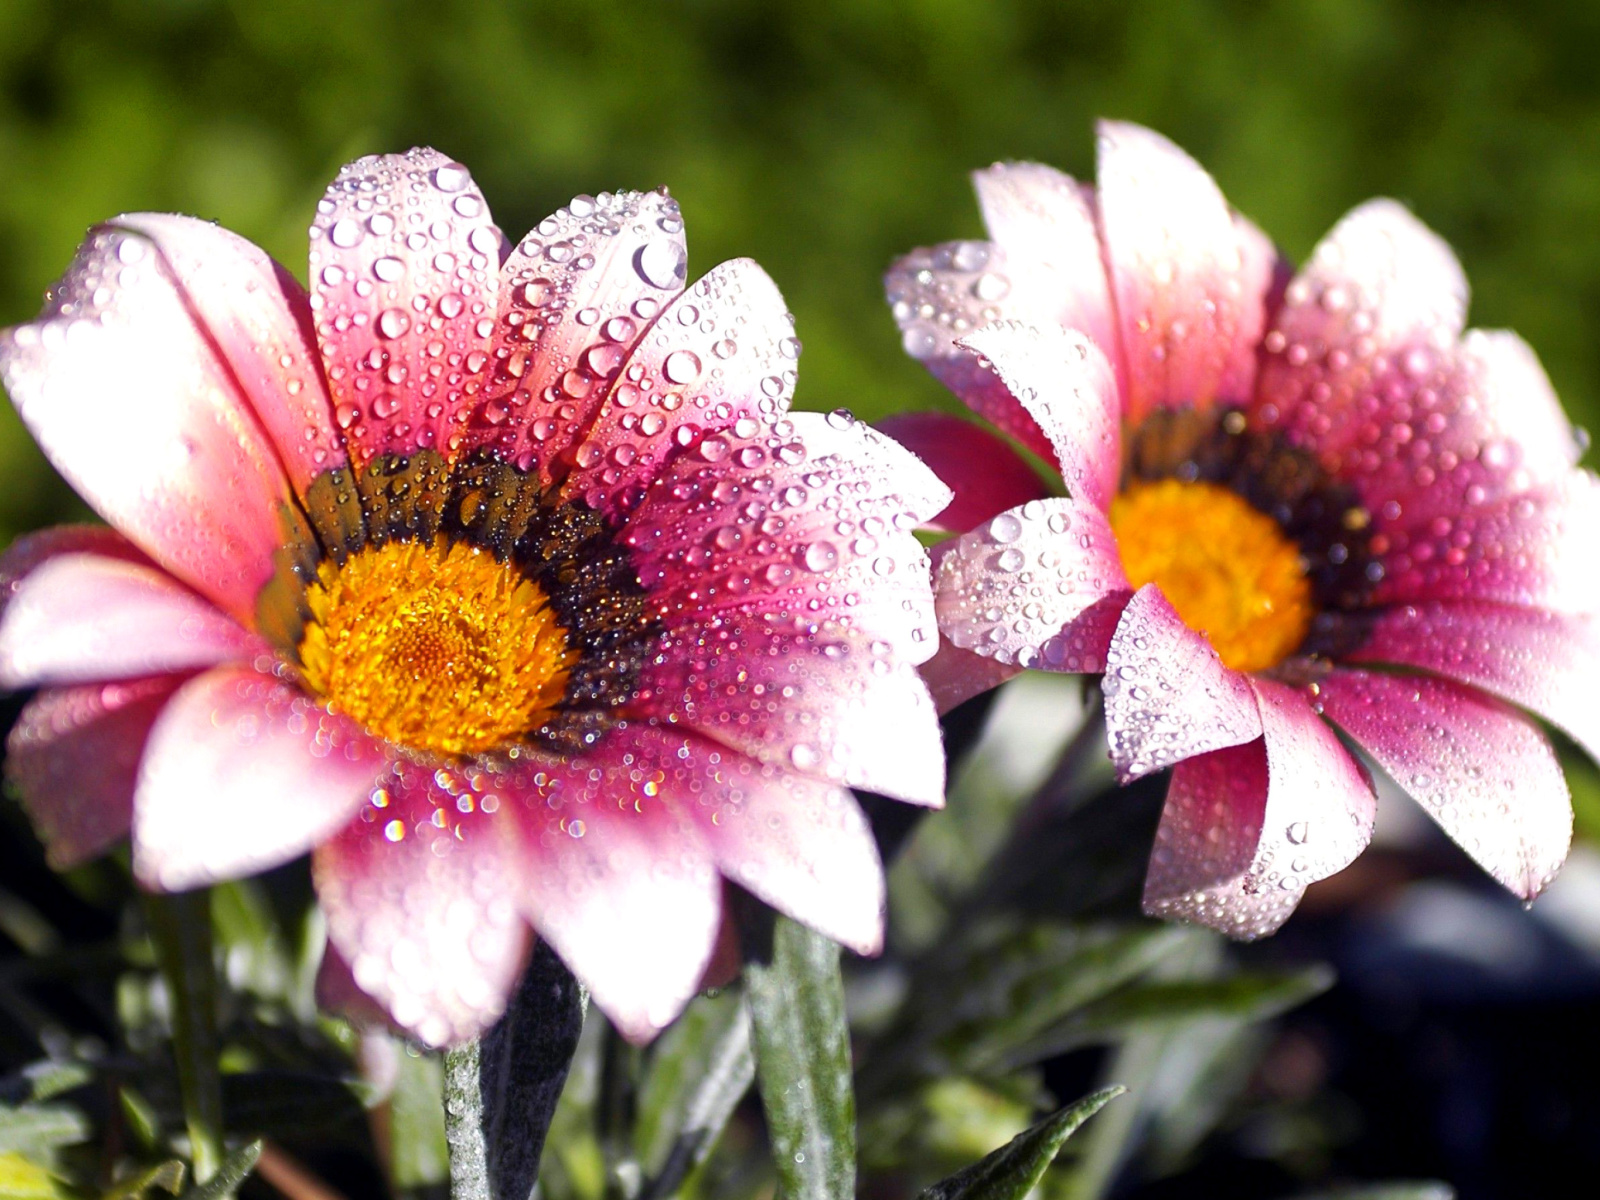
{"points": [[405, 266], [1544, 661], [985, 473], [622, 884], [128, 399], [338, 992], [809, 520], [720, 357], [941, 294], [243, 772], [1038, 586], [259, 317], [575, 297], [954, 675], [1066, 385], [32, 550], [1168, 696], [421, 898], [1190, 299], [73, 756], [816, 699], [1485, 773], [82, 617], [1520, 407], [1048, 221], [1247, 829]]}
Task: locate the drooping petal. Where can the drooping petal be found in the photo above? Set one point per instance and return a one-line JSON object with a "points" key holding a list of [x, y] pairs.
{"points": [[986, 475], [1190, 312], [81, 617], [1248, 828], [720, 357], [1038, 586], [954, 675], [421, 898], [1483, 771], [404, 285], [1544, 661], [575, 297], [73, 757], [128, 398], [243, 772], [1066, 385], [259, 317], [810, 520], [1168, 696], [817, 699]]}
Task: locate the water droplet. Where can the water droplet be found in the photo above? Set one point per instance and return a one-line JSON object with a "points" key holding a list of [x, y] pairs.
{"points": [[345, 233], [661, 263], [682, 366]]}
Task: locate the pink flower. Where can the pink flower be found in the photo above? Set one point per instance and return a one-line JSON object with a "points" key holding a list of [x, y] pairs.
{"points": [[1293, 507], [499, 575]]}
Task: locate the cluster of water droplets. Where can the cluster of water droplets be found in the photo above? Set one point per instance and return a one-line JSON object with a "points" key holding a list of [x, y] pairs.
{"points": [[941, 294]]}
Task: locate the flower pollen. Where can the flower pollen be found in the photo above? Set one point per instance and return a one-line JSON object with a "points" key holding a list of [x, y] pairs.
{"points": [[1228, 569], [435, 646]]}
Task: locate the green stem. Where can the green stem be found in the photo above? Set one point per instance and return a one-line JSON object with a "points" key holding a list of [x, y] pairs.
{"points": [[180, 927]]}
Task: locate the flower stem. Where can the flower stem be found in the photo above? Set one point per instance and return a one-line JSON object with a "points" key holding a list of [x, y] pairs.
{"points": [[180, 927]]}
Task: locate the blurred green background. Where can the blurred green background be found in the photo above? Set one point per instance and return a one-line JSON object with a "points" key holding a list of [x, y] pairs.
{"points": [[821, 137]]}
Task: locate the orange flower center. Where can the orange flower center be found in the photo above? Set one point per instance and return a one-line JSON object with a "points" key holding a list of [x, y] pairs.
{"points": [[436, 646], [1229, 570]]}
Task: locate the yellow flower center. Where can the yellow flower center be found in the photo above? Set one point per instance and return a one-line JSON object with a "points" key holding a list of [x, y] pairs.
{"points": [[436, 646], [1228, 569]]}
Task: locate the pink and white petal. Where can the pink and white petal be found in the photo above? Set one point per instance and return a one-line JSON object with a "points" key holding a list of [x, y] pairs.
{"points": [[719, 357], [810, 519], [243, 772], [1520, 408], [1482, 770], [1546, 662], [73, 756], [260, 319], [1380, 288], [127, 397], [1191, 314], [1263, 261], [1038, 586], [817, 699], [405, 268], [986, 475], [1049, 221], [802, 845], [940, 295], [76, 618], [1067, 386], [1168, 695], [420, 895], [622, 884], [32, 550], [954, 675], [575, 297]]}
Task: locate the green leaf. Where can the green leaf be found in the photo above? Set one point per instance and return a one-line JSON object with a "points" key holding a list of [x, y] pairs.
{"points": [[501, 1089], [234, 1170], [36, 1129], [802, 1049], [167, 1176], [419, 1155], [1422, 1190], [24, 1180], [1011, 1172]]}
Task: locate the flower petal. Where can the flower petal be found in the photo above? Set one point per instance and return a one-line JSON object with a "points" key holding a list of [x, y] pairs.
{"points": [[1544, 661], [817, 699], [985, 473], [1066, 385], [243, 772], [954, 675], [127, 397], [575, 297], [73, 756], [721, 356], [1484, 772], [420, 895], [259, 317], [1038, 586], [75, 618], [405, 265], [1168, 696], [1191, 312]]}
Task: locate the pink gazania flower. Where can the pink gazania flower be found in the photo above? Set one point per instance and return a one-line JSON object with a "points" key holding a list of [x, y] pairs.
{"points": [[500, 577], [1295, 508]]}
